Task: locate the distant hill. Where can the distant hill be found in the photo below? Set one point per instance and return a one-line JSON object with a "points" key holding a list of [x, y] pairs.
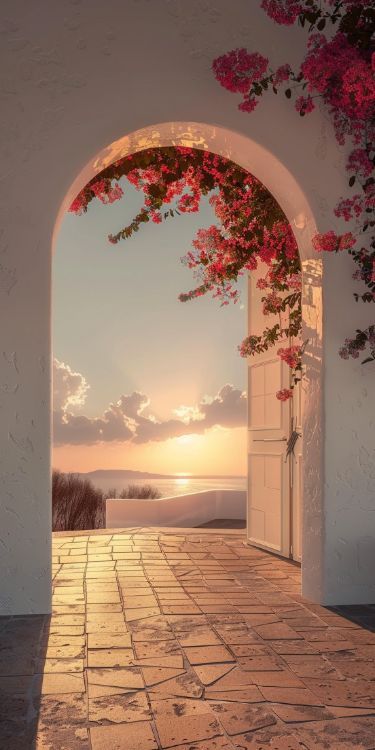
{"points": [[120, 474]]}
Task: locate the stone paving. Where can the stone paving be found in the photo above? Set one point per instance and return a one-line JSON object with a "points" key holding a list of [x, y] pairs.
{"points": [[189, 640]]}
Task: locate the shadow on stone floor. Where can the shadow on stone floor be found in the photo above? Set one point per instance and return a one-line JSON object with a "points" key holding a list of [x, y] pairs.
{"points": [[23, 646], [361, 614], [184, 639]]}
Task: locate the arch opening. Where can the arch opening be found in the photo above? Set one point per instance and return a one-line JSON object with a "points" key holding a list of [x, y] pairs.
{"points": [[275, 176]]}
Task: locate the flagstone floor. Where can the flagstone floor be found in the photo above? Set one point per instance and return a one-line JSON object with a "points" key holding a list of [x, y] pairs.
{"points": [[184, 639]]}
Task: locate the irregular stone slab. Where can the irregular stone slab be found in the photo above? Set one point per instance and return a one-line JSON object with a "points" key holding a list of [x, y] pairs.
{"points": [[208, 654], [251, 649], [259, 664], [312, 666], [135, 736], [105, 626], [154, 675], [324, 635], [109, 640], [272, 738], [343, 712], [176, 661], [237, 636], [234, 680], [146, 634], [199, 637], [65, 652], [293, 696], [59, 665], [351, 693], [293, 647], [111, 657], [291, 714], [345, 734], [51, 735], [62, 683], [216, 608], [209, 673], [66, 630], [181, 609], [63, 709], [106, 608], [107, 597], [186, 729], [261, 619], [98, 691], [140, 613], [135, 602], [217, 743], [250, 694], [156, 624], [173, 707], [182, 623], [332, 647], [146, 650], [120, 708], [241, 717], [59, 641], [354, 668], [187, 685], [282, 678], [64, 620], [125, 678], [278, 631]]}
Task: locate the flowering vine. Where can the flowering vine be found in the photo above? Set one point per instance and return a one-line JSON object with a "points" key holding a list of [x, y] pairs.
{"points": [[338, 68], [251, 230]]}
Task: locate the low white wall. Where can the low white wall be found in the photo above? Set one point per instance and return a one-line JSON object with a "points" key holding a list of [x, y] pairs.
{"points": [[181, 510]]}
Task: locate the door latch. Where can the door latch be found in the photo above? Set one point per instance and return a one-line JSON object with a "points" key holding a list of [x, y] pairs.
{"points": [[291, 443]]}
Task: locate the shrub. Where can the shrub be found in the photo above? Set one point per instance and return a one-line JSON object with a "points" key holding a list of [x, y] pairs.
{"points": [[76, 503], [135, 492]]}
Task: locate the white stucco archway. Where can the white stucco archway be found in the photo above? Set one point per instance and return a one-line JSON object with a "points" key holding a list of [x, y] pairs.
{"points": [[71, 87], [276, 177]]}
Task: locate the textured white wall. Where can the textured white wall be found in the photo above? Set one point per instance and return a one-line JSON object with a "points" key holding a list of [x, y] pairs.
{"points": [[76, 76]]}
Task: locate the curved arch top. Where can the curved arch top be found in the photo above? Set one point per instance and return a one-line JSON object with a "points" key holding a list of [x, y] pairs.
{"points": [[243, 150]]}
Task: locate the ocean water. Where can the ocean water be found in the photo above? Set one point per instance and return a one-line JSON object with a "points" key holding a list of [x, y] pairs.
{"points": [[179, 486]]}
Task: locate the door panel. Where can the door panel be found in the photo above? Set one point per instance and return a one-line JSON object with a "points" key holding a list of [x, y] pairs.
{"points": [[266, 477], [269, 422]]}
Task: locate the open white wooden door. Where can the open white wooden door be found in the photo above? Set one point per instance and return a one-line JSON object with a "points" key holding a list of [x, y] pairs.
{"points": [[271, 523]]}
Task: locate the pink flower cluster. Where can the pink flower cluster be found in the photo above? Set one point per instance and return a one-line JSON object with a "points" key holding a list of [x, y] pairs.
{"points": [[359, 163], [283, 11], [239, 69], [285, 394], [304, 105], [330, 242], [291, 355], [337, 71]]}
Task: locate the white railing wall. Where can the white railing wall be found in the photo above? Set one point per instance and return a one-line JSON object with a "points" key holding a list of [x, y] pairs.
{"points": [[180, 510]]}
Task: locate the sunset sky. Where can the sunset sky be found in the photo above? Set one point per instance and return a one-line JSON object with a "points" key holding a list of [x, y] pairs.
{"points": [[141, 380]]}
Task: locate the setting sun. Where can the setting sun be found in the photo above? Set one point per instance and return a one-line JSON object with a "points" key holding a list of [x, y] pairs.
{"points": [[186, 439]]}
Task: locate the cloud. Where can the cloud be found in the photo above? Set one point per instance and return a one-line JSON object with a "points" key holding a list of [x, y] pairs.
{"points": [[129, 418], [69, 387]]}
